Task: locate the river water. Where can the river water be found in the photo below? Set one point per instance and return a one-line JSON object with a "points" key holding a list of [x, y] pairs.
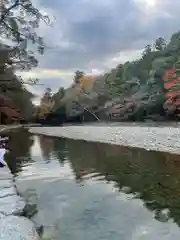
{"points": [[97, 191]]}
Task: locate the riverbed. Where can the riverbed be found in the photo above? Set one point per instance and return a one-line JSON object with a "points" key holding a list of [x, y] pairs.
{"points": [[93, 191], [164, 138]]}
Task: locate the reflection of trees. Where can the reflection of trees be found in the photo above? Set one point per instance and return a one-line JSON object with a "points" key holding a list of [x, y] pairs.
{"points": [[53, 147], [83, 157], [153, 176], [19, 145], [59, 149], [46, 145]]}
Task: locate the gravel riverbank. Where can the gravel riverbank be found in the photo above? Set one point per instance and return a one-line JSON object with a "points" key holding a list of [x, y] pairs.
{"points": [[165, 139]]}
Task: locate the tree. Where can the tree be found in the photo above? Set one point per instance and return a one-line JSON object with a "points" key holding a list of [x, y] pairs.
{"points": [[57, 97], [78, 75], [147, 50], [160, 44], [46, 104], [47, 96], [23, 100], [19, 21], [17, 94], [12, 88]]}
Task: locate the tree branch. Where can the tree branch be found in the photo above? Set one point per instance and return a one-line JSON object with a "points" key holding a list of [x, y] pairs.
{"points": [[13, 30], [8, 10], [17, 62], [46, 20]]}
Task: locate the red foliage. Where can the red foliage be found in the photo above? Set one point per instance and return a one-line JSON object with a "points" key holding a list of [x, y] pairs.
{"points": [[172, 83], [8, 108], [170, 75], [171, 80], [11, 113], [177, 102], [173, 94]]}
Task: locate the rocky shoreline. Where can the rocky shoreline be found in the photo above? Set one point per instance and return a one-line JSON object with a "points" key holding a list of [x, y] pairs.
{"points": [[14, 225], [164, 139]]}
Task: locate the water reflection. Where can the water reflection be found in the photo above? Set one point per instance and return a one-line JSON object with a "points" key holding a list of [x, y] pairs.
{"points": [[150, 177], [59, 150], [20, 143], [153, 177], [46, 145]]}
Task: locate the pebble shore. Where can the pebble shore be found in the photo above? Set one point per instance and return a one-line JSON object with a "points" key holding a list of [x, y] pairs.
{"points": [[165, 139]]}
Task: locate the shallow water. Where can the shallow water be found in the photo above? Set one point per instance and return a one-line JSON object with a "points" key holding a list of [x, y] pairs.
{"points": [[97, 191]]}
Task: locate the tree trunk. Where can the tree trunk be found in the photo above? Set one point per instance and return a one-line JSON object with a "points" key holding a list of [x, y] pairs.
{"points": [[93, 114], [87, 110]]}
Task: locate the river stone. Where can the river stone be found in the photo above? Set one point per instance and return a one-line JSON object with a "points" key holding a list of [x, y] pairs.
{"points": [[12, 205], [30, 210], [7, 192], [39, 229], [17, 228], [6, 183]]}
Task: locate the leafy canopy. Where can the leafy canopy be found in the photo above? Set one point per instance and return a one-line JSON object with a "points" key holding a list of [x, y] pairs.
{"points": [[19, 22]]}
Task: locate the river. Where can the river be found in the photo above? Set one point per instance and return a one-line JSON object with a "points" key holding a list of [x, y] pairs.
{"points": [[97, 191]]}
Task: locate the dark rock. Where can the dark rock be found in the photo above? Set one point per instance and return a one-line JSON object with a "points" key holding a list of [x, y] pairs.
{"points": [[40, 229], [30, 210]]}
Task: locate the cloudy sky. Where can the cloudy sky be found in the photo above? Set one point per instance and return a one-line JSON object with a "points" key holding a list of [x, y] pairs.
{"points": [[95, 35]]}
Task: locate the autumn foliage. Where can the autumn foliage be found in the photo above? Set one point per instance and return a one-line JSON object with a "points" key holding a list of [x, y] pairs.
{"points": [[86, 82], [8, 111], [172, 90]]}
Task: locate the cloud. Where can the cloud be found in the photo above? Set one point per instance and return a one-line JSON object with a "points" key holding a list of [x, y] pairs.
{"points": [[47, 73], [52, 78], [99, 34]]}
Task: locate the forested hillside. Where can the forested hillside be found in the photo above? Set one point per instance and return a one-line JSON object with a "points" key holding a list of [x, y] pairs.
{"points": [[131, 91]]}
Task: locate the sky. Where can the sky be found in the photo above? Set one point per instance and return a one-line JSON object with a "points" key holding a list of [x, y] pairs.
{"points": [[96, 35]]}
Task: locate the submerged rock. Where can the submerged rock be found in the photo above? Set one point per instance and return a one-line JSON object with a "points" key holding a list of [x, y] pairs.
{"points": [[40, 229], [30, 210], [16, 228], [30, 198]]}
